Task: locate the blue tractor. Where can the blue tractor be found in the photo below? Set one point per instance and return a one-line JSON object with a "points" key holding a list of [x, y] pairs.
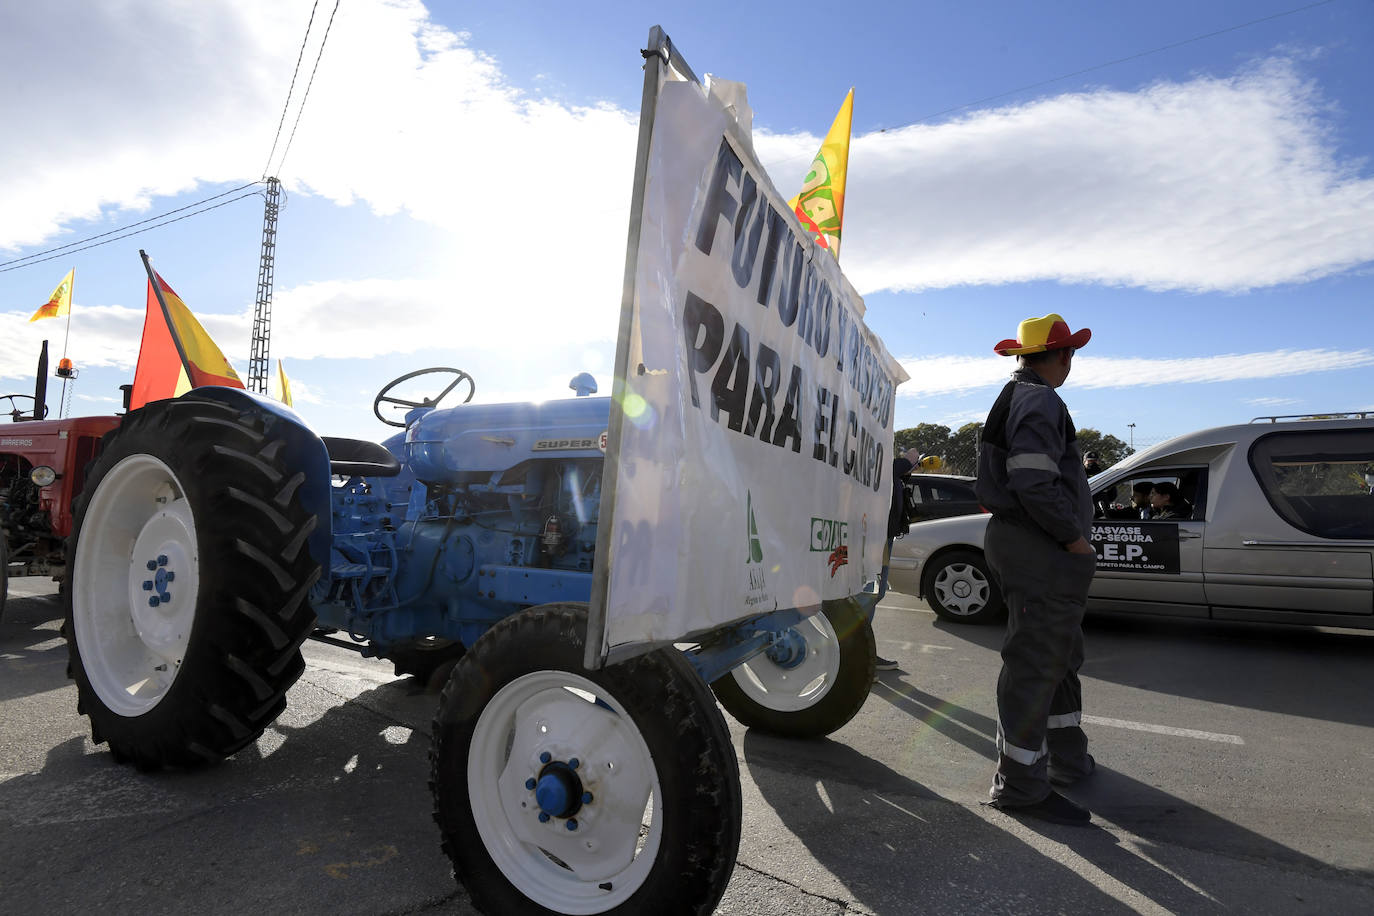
{"points": [[216, 533]]}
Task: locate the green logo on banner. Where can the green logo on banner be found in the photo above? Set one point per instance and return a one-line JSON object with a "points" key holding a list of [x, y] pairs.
{"points": [[755, 545]]}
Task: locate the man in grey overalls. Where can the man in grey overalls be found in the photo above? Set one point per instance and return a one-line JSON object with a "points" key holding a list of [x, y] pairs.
{"points": [[1031, 478]]}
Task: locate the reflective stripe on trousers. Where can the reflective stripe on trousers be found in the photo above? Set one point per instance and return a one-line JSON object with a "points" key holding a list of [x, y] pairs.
{"points": [[1039, 699]]}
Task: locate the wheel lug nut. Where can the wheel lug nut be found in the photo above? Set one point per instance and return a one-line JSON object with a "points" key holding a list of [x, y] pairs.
{"points": [[171, 575], [543, 817], [545, 757], [572, 823], [162, 559], [153, 601], [586, 798], [166, 596], [529, 784], [152, 565], [574, 762], [147, 585]]}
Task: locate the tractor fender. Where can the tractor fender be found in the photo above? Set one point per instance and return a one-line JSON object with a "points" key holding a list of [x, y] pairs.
{"points": [[304, 451]]}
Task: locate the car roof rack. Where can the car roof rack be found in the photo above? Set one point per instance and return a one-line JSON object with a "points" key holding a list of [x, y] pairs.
{"points": [[1339, 415]]}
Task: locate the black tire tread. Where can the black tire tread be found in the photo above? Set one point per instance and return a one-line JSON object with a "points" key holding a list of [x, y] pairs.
{"points": [[243, 653], [658, 689]]}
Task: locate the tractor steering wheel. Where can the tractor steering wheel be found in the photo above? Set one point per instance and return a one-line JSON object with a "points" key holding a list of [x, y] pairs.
{"points": [[458, 376], [14, 411]]}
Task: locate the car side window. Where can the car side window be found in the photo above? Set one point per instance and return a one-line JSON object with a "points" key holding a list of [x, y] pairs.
{"points": [[1189, 503], [1321, 482], [945, 492]]}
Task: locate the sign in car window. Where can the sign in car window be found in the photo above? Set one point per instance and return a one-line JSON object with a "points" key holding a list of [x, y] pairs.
{"points": [[1146, 547]]}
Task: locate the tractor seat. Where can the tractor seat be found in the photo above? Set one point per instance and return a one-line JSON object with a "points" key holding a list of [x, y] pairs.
{"points": [[358, 457]]}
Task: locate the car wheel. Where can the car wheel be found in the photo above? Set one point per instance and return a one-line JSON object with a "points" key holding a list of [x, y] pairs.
{"points": [[959, 588]]}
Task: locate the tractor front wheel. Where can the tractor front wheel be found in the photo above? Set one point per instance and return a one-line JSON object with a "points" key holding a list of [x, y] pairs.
{"points": [[563, 790], [813, 682], [189, 570]]}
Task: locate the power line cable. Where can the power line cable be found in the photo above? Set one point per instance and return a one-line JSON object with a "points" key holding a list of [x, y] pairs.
{"points": [[306, 97], [136, 231], [285, 107], [160, 216]]}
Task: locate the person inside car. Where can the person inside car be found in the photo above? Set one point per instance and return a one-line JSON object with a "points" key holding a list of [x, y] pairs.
{"points": [[1140, 499], [1166, 503]]}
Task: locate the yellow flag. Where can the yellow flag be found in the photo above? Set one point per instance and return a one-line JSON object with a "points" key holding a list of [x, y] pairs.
{"points": [[820, 205], [60, 302], [285, 384]]}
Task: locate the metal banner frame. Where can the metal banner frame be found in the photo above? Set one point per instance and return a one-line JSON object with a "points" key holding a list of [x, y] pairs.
{"points": [[658, 53]]}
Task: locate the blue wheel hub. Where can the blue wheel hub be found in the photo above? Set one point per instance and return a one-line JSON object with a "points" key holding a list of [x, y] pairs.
{"points": [[788, 649], [558, 791], [162, 576]]}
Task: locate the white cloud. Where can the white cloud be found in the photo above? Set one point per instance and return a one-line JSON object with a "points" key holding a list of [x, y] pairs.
{"points": [[1121, 188], [1131, 188], [151, 99], [1271, 402], [937, 375]]}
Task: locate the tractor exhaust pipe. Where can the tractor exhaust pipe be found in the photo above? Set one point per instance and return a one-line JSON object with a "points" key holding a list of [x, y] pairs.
{"points": [[40, 385]]}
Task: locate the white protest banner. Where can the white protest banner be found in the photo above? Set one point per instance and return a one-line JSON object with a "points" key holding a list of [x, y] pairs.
{"points": [[754, 459]]}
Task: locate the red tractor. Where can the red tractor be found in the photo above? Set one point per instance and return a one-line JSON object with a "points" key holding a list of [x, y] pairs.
{"points": [[42, 468]]}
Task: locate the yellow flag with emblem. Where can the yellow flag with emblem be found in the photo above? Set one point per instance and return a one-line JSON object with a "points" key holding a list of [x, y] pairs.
{"points": [[820, 205], [60, 302]]}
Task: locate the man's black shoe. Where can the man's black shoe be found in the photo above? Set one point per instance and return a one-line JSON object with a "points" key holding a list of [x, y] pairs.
{"points": [[1053, 807], [885, 664], [1060, 777]]}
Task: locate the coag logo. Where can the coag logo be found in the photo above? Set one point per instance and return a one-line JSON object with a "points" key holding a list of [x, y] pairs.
{"points": [[827, 534], [831, 537]]}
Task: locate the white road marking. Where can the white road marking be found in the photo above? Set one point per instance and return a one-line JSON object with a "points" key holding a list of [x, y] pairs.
{"points": [[1164, 730]]}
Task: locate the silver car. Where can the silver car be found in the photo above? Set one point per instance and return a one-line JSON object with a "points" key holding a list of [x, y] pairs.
{"points": [[1274, 522]]}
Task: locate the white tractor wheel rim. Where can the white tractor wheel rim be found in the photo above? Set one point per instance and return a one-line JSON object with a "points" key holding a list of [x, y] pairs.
{"points": [[962, 588], [558, 718], [132, 623], [793, 689]]}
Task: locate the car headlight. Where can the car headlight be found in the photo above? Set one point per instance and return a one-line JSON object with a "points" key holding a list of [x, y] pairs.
{"points": [[42, 475]]}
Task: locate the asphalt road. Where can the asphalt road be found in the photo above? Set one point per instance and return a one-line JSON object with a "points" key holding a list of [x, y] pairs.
{"points": [[1234, 776]]}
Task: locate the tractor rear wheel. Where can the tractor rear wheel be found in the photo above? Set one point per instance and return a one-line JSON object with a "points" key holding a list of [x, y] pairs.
{"points": [[563, 790], [189, 573], [813, 683]]}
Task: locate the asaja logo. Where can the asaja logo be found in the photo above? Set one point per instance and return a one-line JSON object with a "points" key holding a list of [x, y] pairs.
{"points": [[755, 545], [832, 537], [757, 594]]}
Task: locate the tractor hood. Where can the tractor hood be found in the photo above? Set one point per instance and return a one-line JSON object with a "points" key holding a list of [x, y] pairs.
{"points": [[495, 437]]}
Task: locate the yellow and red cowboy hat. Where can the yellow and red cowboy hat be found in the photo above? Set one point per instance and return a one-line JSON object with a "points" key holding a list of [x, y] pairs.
{"points": [[1035, 335]]}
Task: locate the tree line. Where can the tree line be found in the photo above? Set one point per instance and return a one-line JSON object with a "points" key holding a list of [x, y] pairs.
{"points": [[959, 448]]}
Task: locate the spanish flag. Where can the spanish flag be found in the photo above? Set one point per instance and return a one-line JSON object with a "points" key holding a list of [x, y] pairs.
{"points": [[285, 384], [176, 354], [820, 205], [60, 302]]}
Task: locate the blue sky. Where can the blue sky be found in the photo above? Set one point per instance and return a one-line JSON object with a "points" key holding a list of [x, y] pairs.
{"points": [[458, 189]]}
